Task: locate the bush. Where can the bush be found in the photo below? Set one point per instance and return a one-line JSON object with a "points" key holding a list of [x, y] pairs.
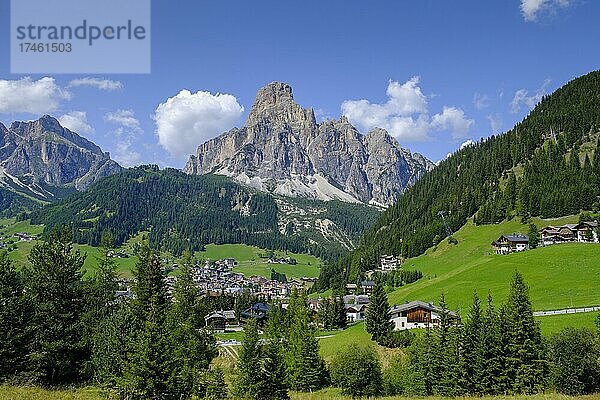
{"points": [[356, 370], [575, 354], [396, 339], [396, 377]]}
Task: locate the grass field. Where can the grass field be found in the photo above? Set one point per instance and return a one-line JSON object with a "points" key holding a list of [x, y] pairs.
{"points": [[248, 257], [560, 276], [555, 323], [33, 393], [250, 263]]}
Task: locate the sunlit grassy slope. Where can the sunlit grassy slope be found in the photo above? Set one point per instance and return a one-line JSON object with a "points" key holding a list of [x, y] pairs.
{"points": [[248, 257], [559, 276]]}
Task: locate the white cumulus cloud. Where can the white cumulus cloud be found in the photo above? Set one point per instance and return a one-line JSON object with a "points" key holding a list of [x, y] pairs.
{"points": [[495, 123], [454, 120], [531, 9], [76, 121], [127, 135], [98, 83], [405, 114], [188, 119], [523, 97], [29, 96]]}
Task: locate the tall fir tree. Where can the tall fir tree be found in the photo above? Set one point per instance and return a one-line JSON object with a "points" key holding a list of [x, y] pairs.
{"points": [[525, 353], [472, 362], [445, 368], [306, 367], [493, 370], [149, 369], [273, 372], [193, 348], [54, 288], [247, 383], [15, 314], [534, 236], [378, 322]]}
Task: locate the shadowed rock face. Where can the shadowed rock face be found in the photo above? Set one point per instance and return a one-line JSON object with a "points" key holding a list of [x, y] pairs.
{"points": [[281, 146], [48, 153]]}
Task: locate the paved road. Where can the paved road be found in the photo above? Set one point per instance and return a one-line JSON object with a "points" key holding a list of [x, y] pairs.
{"points": [[565, 311]]}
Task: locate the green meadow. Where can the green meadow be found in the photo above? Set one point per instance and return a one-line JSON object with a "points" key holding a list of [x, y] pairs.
{"points": [[250, 261], [35, 393], [559, 276], [248, 257]]}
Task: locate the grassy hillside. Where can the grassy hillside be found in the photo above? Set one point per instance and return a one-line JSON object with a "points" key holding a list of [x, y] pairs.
{"points": [[248, 257], [560, 276], [250, 262]]}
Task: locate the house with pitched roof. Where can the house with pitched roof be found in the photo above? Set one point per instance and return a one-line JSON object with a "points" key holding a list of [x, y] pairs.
{"points": [[417, 314], [506, 244]]}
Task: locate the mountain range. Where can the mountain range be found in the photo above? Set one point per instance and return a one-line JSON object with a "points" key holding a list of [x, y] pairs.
{"points": [[41, 160], [281, 149]]}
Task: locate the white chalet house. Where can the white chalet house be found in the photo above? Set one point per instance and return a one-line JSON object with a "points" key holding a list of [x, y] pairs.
{"points": [[510, 243], [417, 314], [355, 312]]}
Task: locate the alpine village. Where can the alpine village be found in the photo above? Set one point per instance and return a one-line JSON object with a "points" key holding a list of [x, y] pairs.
{"points": [[303, 253]]}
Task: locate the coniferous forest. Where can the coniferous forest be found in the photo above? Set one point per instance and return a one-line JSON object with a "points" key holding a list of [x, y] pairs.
{"points": [[545, 166], [182, 211]]}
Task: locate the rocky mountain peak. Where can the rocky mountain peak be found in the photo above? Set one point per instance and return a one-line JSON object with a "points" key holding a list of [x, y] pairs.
{"points": [[48, 153], [282, 149], [275, 103]]}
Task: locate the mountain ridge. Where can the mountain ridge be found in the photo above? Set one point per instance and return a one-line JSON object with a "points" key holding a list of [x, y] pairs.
{"points": [[480, 181], [282, 149], [41, 158]]}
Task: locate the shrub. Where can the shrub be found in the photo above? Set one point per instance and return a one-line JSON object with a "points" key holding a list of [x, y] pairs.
{"points": [[396, 339], [575, 354], [356, 370]]}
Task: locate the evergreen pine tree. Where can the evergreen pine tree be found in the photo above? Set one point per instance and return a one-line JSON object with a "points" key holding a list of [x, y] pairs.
{"points": [[15, 314], [306, 368], [149, 368], [54, 288], [340, 319], [378, 322], [534, 236], [247, 383], [193, 348], [493, 372], [472, 361], [445, 369], [526, 358], [273, 372]]}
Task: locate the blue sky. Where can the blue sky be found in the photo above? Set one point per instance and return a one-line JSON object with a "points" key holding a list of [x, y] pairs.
{"points": [[435, 73]]}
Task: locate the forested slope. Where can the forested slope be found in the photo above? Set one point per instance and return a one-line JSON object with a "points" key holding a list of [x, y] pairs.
{"points": [[183, 211], [525, 171]]}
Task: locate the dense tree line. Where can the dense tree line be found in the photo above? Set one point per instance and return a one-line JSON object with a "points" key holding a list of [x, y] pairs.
{"points": [[288, 357], [556, 181], [475, 175], [64, 329], [183, 211], [493, 351], [332, 312], [397, 278]]}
